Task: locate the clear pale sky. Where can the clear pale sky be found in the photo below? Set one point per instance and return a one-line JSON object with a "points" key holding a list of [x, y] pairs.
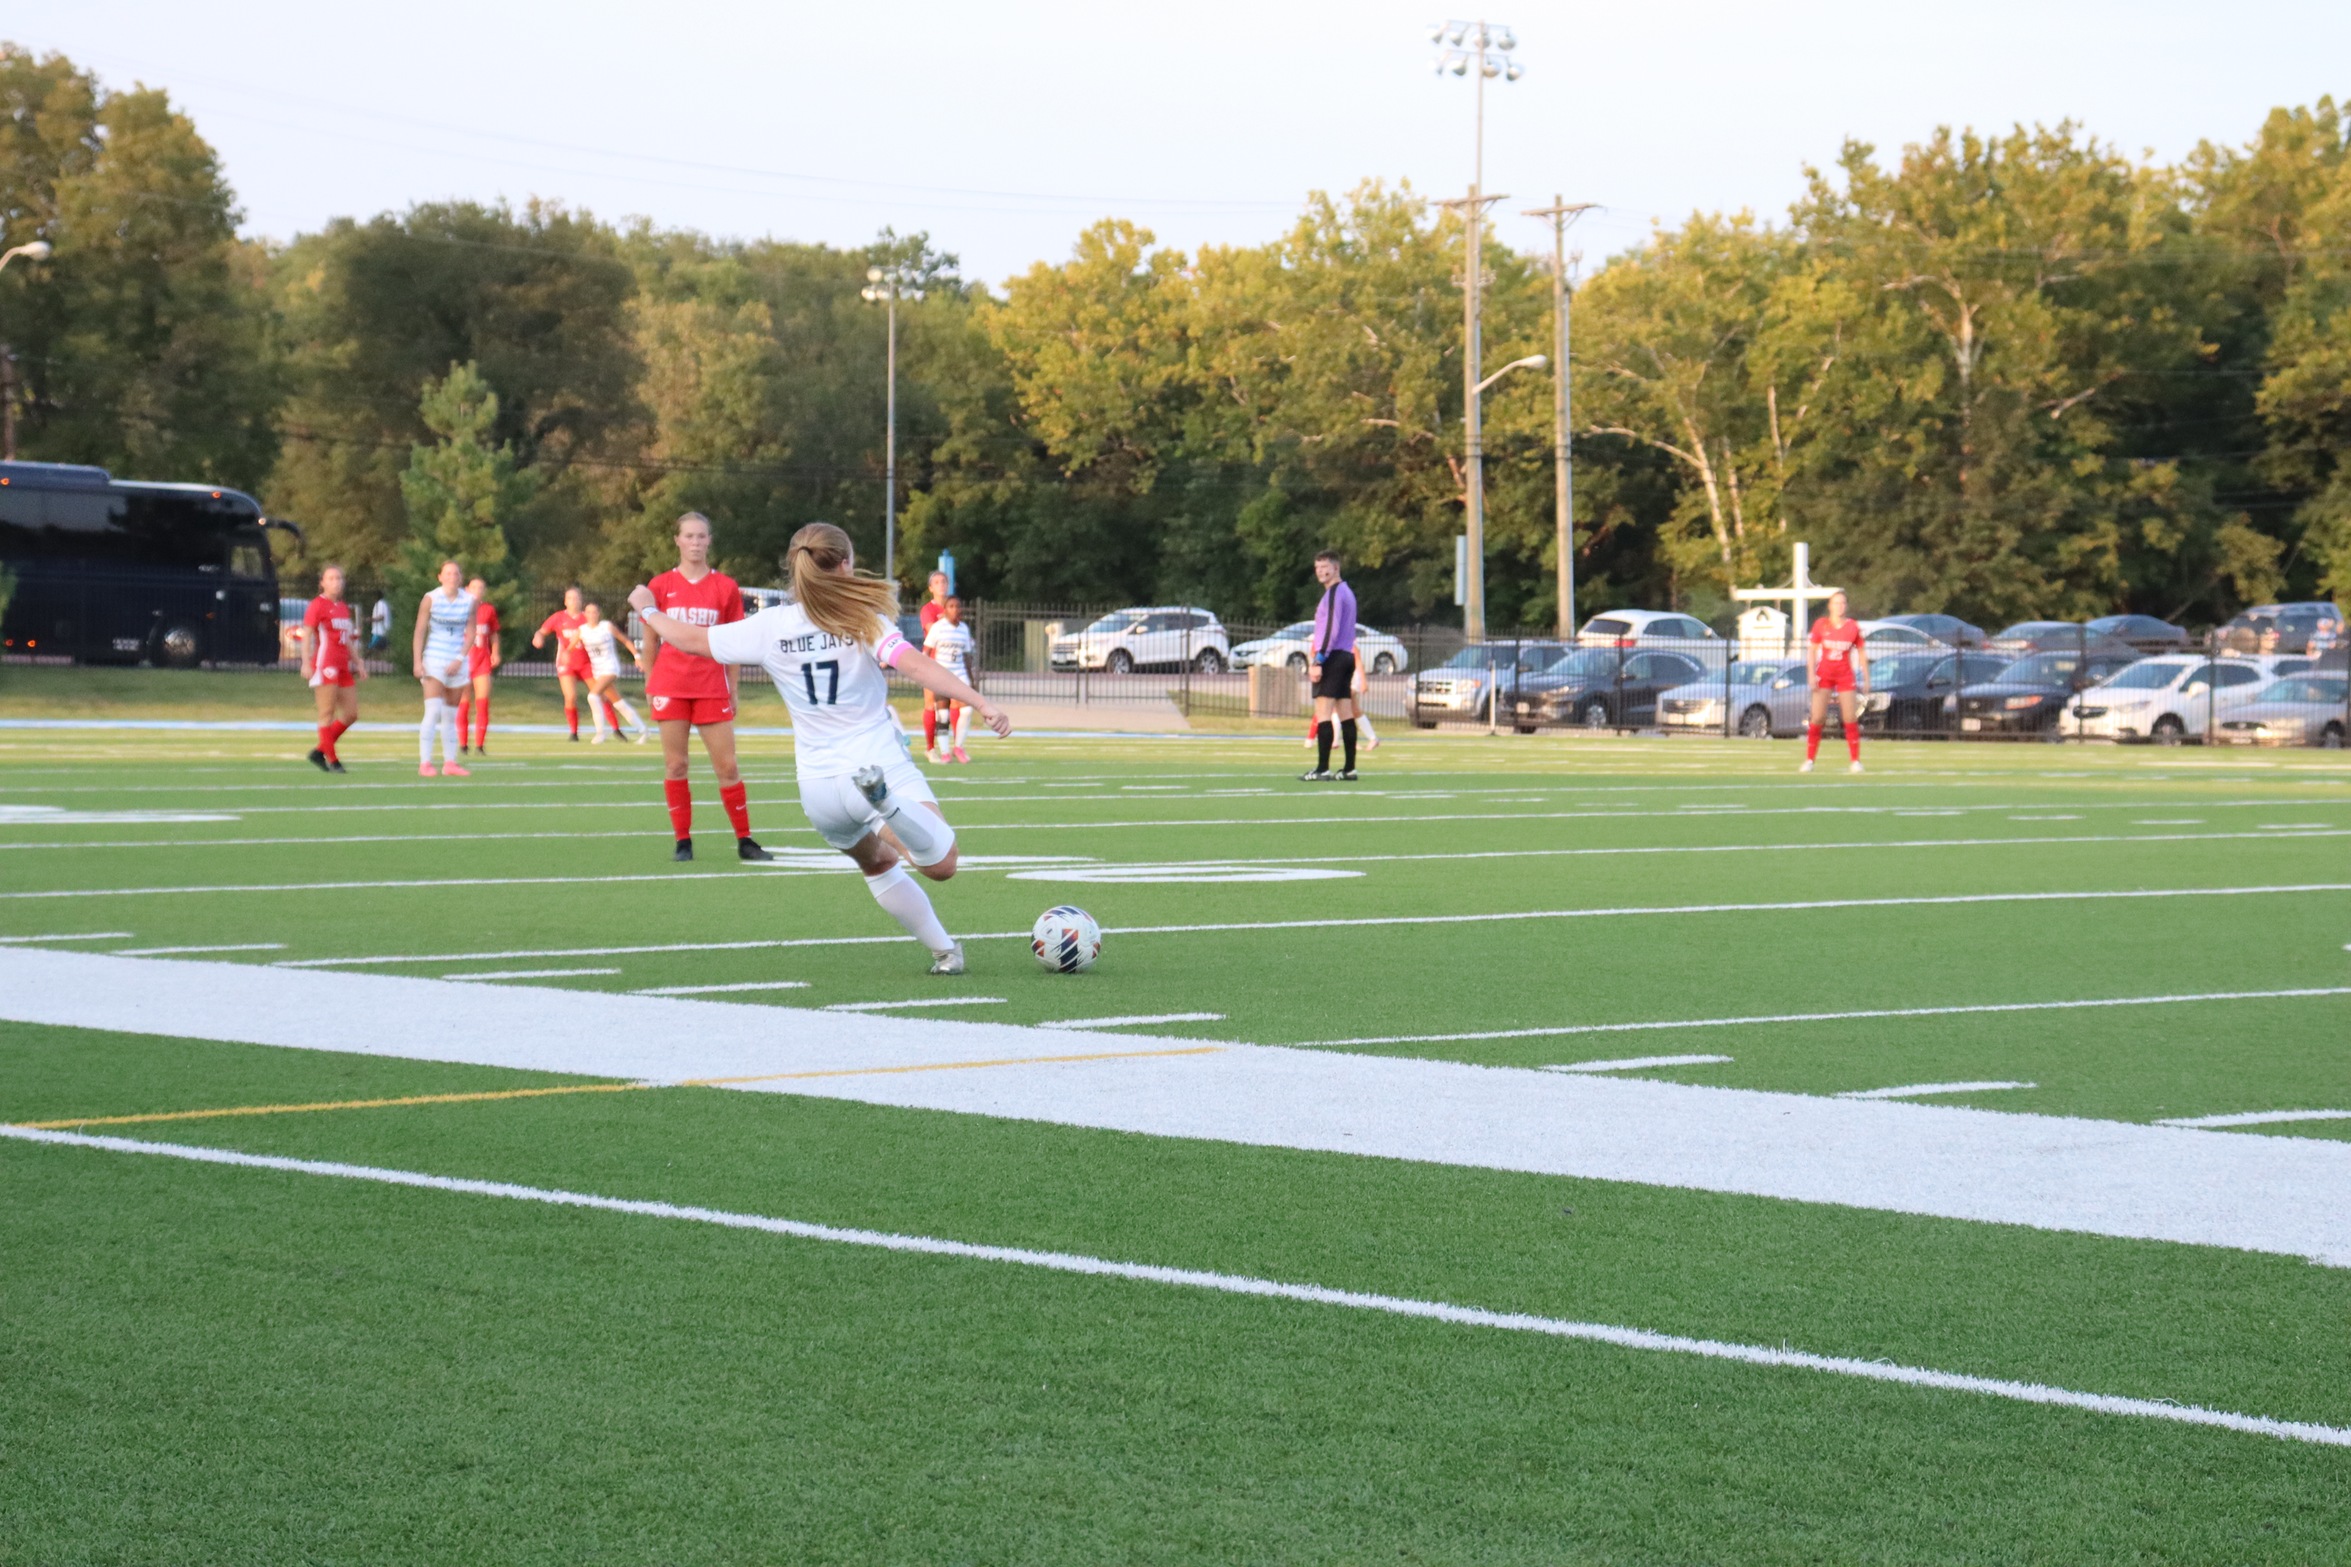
{"points": [[1004, 130]]}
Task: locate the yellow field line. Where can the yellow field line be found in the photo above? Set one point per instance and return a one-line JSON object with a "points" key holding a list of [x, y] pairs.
{"points": [[593, 1088]]}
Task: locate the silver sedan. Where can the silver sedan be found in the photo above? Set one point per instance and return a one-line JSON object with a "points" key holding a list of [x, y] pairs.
{"points": [[2298, 710], [1768, 697]]}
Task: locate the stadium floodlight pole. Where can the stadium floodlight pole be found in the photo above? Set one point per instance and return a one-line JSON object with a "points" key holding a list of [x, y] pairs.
{"points": [[1562, 213], [1481, 49], [886, 286], [31, 250]]}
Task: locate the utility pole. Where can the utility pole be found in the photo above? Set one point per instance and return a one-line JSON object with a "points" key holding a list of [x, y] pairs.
{"points": [[886, 286], [1483, 50], [1562, 213], [33, 250]]}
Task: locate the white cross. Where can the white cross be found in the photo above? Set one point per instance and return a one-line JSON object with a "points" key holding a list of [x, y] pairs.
{"points": [[1798, 595]]}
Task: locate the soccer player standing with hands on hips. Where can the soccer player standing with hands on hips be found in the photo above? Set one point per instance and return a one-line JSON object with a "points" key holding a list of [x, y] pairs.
{"points": [[1840, 663], [689, 692], [330, 663], [1331, 651], [826, 651]]}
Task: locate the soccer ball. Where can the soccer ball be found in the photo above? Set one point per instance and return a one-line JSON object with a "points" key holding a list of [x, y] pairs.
{"points": [[1066, 940]]}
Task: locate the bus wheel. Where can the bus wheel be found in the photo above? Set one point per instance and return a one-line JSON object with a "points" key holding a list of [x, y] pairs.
{"points": [[178, 645]]}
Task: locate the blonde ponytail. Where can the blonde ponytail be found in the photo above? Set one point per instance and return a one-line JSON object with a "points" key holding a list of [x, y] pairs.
{"points": [[855, 609]]}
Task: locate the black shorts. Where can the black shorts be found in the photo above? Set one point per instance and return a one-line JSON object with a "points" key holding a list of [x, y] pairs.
{"points": [[1338, 676]]}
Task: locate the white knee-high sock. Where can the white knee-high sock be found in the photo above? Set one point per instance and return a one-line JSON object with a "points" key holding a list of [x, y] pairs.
{"points": [[449, 741], [433, 708], [905, 901], [962, 725], [1363, 727], [628, 713], [596, 709]]}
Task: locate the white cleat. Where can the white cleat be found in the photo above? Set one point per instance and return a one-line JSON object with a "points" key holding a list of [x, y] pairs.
{"points": [[1807, 767], [874, 784], [1856, 767], [638, 738], [949, 961]]}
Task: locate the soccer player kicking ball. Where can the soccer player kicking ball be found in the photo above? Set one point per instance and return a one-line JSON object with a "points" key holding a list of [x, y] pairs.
{"points": [[949, 645], [690, 693], [1839, 659], [330, 663], [826, 651]]}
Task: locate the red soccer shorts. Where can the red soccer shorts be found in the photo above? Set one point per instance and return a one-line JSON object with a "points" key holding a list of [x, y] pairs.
{"points": [[694, 709], [334, 675], [1833, 677], [478, 665], [575, 666]]}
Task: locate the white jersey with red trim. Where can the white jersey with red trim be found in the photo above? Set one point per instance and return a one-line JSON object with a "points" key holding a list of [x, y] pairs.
{"points": [[836, 690]]}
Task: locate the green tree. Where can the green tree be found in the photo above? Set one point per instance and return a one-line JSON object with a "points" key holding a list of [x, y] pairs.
{"points": [[143, 342], [462, 491]]}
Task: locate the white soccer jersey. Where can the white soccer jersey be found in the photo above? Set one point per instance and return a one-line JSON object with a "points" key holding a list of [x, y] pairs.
{"points": [[603, 652], [838, 695], [950, 644], [449, 624]]}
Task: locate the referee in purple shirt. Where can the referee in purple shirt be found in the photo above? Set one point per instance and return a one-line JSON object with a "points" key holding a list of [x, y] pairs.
{"points": [[1332, 652]]}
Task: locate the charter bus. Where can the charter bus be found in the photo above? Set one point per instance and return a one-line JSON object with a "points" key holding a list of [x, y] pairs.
{"points": [[107, 570]]}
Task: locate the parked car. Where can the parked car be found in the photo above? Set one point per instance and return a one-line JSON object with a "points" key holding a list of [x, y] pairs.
{"points": [[2028, 695], [1906, 692], [2165, 700], [2310, 627], [2298, 710], [2052, 636], [1767, 697], [2142, 632], [1375, 651], [1886, 638], [1949, 630], [1602, 688], [1656, 628], [1456, 689], [1165, 636]]}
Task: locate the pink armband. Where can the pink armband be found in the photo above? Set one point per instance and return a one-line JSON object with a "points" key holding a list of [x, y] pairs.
{"points": [[891, 648]]}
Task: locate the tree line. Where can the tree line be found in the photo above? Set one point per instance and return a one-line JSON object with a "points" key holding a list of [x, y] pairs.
{"points": [[1998, 376]]}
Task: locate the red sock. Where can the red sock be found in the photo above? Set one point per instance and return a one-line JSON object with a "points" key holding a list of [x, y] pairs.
{"points": [[481, 722], [331, 733], [1811, 741], [464, 715], [326, 741], [681, 807], [571, 716], [1853, 741], [738, 804], [612, 717], [930, 728]]}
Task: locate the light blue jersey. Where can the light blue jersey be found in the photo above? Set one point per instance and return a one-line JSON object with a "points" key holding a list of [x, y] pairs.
{"points": [[446, 633]]}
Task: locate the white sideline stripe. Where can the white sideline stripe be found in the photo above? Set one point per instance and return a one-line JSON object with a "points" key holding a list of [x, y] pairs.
{"points": [[1242, 1284], [2258, 1118], [1395, 919], [360, 886], [1928, 1090], [86, 935], [1821, 1017], [713, 990], [1138, 1018], [169, 952], [1635, 1063], [919, 1001], [532, 973]]}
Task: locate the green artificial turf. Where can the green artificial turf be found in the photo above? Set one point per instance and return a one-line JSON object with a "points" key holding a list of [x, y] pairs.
{"points": [[224, 1364]]}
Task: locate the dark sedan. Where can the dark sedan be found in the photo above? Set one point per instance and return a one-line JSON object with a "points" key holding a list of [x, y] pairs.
{"points": [[2144, 633], [1603, 688], [1906, 693], [2052, 636], [1949, 630], [2029, 696]]}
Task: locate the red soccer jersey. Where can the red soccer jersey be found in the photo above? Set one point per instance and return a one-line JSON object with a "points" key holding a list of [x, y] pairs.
{"points": [[930, 615], [329, 623], [564, 627], [714, 601], [1836, 643], [485, 630]]}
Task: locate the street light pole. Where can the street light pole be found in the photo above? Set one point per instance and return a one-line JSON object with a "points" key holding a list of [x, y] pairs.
{"points": [[1482, 49], [34, 250], [885, 286], [1562, 213]]}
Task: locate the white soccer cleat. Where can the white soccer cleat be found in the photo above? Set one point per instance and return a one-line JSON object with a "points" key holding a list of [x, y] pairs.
{"points": [[949, 961], [638, 738], [601, 737], [1856, 767], [874, 784], [1807, 767], [934, 758]]}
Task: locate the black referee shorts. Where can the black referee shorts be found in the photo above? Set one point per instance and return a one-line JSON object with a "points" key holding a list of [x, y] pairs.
{"points": [[1338, 676]]}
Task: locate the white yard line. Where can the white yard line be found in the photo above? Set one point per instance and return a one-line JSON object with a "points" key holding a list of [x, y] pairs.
{"points": [[168, 952], [1136, 1020], [534, 973], [2284, 1195], [1239, 1284], [714, 990], [90, 935], [1636, 1063], [2258, 1118], [359, 886], [919, 1001], [1751, 1019], [1930, 1090]]}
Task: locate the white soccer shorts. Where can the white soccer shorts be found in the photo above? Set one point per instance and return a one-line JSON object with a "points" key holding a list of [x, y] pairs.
{"points": [[842, 816]]}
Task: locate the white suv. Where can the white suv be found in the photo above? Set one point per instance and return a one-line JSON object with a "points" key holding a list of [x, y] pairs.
{"points": [[1166, 636], [1656, 628]]}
